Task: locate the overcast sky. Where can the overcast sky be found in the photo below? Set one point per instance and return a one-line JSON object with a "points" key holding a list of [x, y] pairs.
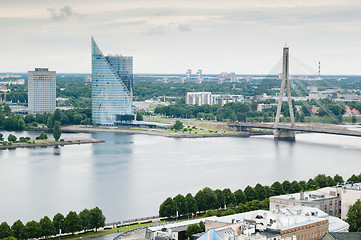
{"points": [[171, 36]]}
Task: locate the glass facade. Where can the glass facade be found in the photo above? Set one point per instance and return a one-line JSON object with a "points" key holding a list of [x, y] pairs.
{"points": [[112, 88]]}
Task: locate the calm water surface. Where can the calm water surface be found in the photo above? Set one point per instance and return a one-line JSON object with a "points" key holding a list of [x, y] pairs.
{"points": [[129, 176]]}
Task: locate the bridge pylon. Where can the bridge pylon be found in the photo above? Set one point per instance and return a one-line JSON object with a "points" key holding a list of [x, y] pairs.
{"points": [[278, 133]]}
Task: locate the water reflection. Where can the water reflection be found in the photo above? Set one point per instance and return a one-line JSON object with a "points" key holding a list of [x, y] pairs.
{"points": [[129, 176]]}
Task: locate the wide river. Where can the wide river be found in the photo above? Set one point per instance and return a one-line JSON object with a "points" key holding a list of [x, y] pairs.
{"points": [[129, 176]]}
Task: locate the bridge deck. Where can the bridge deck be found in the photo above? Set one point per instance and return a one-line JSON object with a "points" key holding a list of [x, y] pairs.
{"points": [[326, 130]]}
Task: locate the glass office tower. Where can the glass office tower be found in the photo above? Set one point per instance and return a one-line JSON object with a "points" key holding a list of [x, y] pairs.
{"points": [[112, 88]]}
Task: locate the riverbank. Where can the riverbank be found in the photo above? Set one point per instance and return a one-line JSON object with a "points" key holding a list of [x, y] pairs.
{"points": [[154, 132], [49, 143]]}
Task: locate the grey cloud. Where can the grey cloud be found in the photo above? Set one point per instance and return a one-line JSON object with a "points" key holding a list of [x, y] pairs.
{"points": [[158, 30], [184, 28], [62, 13]]}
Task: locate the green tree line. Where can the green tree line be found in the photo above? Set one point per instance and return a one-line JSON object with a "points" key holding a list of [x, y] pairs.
{"points": [[214, 202], [86, 220], [16, 122]]}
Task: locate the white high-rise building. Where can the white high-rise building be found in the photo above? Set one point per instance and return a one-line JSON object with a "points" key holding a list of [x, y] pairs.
{"points": [[41, 91]]}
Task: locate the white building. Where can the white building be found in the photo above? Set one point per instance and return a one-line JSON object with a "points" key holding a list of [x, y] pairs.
{"points": [[201, 98], [221, 100], [324, 201], [41, 91], [348, 194], [281, 224], [198, 98]]}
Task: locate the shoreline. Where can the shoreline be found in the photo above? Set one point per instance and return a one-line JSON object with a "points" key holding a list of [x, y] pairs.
{"points": [[80, 128], [49, 144]]}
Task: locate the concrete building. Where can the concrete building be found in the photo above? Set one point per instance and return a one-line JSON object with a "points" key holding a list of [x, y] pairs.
{"points": [[221, 100], [348, 194], [262, 106], [188, 75], [198, 98], [300, 223], [327, 202], [199, 76], [112, 88], [41, 91], [201, 98]]}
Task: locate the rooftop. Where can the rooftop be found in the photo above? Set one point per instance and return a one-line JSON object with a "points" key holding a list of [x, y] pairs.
{"points": [[305, 196], [350, 186]]}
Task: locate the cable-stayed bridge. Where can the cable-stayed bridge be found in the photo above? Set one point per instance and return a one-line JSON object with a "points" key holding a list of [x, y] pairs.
{"points": [[311, 128], [283, 131]]}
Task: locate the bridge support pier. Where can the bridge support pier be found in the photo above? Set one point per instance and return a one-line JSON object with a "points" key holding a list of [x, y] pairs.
{"points": [[285, 135]]}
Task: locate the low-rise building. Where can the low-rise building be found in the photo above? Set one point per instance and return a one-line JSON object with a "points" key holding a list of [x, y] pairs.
{"points": [[327, 202], [348, 194], [298, 223], [201, 98], [221, 100]]}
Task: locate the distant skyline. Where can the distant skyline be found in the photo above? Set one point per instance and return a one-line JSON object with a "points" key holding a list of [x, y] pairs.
{"points": [[168, 36]]}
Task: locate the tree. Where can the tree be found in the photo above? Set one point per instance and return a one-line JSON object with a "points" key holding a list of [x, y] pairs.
{"points": [[49, 122], [58, 220], [330, 181], [19, 230], [338, 179], [167, 208], [85, 219], [206, 199], [7, 109], [5, 230], [72, 223], [353, 178], [250, 193], [296, 187], [57, 115], [192, 229], [12, 138], [97, 218], [240, 197], [47, 227], [202, 226], [311, 184], [21, 124], [139, 117], [286, 185], [260, 191], [180, 204], [1, 137], [178, 125], [354, 216], [221, 201], [321, 180], [303, 184], [276, 189], [191, 203], [228, 196], [29, 118], [354, 119], [33, 229], [42, 135], [57, 130]]}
